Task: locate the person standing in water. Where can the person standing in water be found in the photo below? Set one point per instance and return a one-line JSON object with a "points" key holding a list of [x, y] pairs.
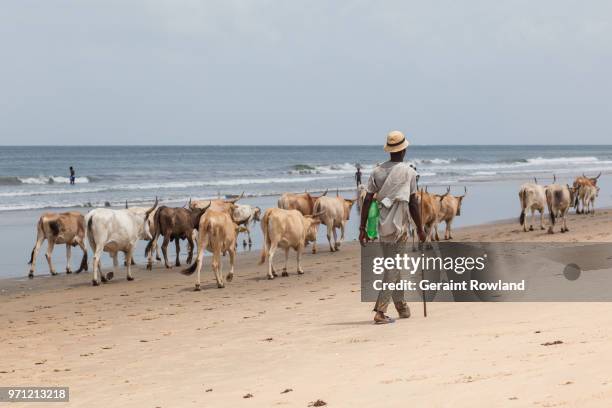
{"points": [[72, 175], [358, 176]]}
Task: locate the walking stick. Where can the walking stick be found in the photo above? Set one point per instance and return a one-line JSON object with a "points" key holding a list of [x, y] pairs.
{"points": [[422, 270]]}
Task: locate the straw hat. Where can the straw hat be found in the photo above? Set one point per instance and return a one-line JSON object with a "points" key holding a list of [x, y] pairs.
{"points": [[396, 142]]}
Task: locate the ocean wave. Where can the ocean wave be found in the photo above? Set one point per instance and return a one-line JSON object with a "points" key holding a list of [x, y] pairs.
{"points": [[40, 180], [563, 160]]}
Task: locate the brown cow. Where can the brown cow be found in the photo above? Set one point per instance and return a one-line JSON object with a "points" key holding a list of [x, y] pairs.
{"points": [[450, 206], [286, 229], [217, 234], [64, 228], [579, 183], [174, 224], [335, 212], [304, 203]]}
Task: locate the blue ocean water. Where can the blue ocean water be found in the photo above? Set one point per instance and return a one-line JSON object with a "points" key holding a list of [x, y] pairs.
{"points": [[37, 177]]}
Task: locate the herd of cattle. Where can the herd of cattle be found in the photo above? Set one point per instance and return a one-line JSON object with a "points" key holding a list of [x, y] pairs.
{"points": [[214, 226], [558, 199]]}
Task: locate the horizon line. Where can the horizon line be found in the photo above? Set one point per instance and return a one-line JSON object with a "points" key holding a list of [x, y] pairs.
{"points": [[305, 145]]}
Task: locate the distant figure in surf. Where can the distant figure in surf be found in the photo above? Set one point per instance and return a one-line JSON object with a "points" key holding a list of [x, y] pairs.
{"points": [[72, 175], [358, 176]]}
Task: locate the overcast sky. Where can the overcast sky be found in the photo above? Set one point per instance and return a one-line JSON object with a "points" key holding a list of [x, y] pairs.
{"points": [[305, 72]]}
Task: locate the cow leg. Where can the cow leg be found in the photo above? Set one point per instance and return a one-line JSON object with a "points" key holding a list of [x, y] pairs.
{"points": [[40, 237], [129, 257], [190, 249], [271, 251], [232, 259], [314, 247], [342, 229], [96, 266], [285, 273], [50, 245], [68, 258], [565, 229], [542, 220], [336, 244], [532, 219], [165, 250], [83, 266], [248, 231], [329, 238], [177, 245], [447, 231], [216, 266], [199, 263], [109, 275], [298, 257]]}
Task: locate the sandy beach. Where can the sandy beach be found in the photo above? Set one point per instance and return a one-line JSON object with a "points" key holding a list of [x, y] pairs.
{"points": [[154, 342]]}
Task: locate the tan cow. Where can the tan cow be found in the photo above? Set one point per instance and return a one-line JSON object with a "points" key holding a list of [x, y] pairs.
{"points": [[63, 228], [429, 207], [304, 203], [217, 233], [335, 212], [559, 199], [450, 207], [286, 229], [579, 183], [227, 206]]}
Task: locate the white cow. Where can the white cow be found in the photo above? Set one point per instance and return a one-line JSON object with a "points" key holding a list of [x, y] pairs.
{"points": [[113, 231], [245, 215], [588, 202], [559, 199], [533, 198]]}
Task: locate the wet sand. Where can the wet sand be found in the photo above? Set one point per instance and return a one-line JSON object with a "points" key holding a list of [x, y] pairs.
{"points": [[154, 342]]}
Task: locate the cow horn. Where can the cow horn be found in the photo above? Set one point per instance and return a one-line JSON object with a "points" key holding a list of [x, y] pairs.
{"points": [[233, 200], [337, 192], [554, 178], [325, 193], [464, 190], [447, 189], [126, 205], [599, 175], [149, 211], [535, 179], [426, 189]]}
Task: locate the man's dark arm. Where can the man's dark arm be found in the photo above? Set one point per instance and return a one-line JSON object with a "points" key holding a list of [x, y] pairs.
{"points": [[415, 213], [365, 209]]}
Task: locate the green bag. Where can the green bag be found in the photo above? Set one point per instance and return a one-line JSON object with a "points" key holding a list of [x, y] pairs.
{"points": [[372, 224]]}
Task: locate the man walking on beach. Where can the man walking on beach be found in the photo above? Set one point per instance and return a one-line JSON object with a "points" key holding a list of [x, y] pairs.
{"points": [[394, 183], [72, 175], [358, 176]]}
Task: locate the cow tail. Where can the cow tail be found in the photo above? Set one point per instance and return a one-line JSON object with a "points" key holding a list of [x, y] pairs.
{"points": [[38, 231], [191, 269], [201, 246], [549, 201], [264, 230], [156, 224], [522, 196], [92, 241]]}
